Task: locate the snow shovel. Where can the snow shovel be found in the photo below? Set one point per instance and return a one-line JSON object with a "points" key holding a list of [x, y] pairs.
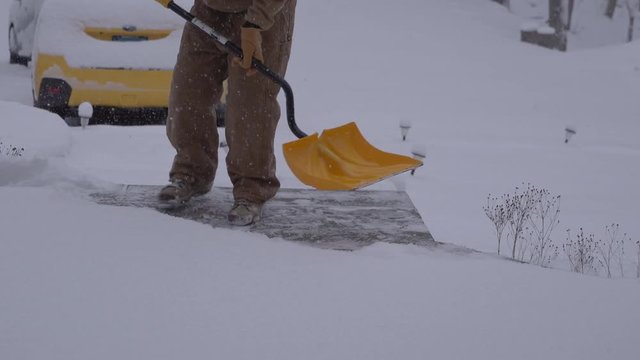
{"points": [[339, 158]]}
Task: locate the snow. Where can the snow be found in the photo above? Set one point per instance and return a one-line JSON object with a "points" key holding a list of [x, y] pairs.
{"points": [[25, 15], [530, 26], [81, 280], [43, 132], [589, 28], [61, 31], [85, 110], [546, 30]]}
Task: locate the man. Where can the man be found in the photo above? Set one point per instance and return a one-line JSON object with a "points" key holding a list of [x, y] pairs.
{"points": [[264, 29]]}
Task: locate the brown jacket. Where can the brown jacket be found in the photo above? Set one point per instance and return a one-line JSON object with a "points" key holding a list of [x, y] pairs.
{"points": [[259, 12]]}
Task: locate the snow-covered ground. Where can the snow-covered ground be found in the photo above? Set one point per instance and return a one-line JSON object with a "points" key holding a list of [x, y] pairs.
{"points": [[79, 280], [589, 27]]}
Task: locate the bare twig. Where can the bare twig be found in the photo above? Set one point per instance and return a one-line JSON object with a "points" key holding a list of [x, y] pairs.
{"points": [[638, 260], [10, 150], [521, 204], [530, 214], [611, 249], [581, 252], [499, 215], [543, 221]]}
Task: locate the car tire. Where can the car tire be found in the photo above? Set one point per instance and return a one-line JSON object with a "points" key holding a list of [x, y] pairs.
{"points": [[72, 121], [162, 117], [14, 57]]}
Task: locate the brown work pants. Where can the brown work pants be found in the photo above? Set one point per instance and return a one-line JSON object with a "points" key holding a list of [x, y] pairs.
{"points": [[252, 109]]}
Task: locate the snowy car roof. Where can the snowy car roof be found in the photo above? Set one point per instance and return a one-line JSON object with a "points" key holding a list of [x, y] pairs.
{"points": [[62, 24]]}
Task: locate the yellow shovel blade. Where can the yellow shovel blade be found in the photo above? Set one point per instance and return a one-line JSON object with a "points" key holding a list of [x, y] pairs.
{"points": [[341, 159]]}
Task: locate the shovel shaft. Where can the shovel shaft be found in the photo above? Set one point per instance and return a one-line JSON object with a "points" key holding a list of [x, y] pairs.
{"points": [[237, 51]]}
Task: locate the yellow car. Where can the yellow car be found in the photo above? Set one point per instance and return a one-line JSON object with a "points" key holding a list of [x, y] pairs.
{"points": [[118, 54]]}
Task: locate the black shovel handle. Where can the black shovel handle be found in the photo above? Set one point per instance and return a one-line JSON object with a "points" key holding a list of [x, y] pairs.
{"points": [[237, 51]]}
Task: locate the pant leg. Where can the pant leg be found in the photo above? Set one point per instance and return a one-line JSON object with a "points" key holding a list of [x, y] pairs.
{"points": [[253, 113], [196, 86]]}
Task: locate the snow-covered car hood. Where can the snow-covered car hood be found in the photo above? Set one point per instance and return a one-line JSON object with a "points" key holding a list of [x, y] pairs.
{"points": [[62, 24]]}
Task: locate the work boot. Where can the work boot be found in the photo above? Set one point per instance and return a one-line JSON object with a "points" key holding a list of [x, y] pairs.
{"points": [[179, 192], [244, 212]]}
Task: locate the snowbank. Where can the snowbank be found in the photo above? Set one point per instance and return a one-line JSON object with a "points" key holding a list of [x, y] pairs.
{"points": [[30, 139], [102, 283], [41, 133]]}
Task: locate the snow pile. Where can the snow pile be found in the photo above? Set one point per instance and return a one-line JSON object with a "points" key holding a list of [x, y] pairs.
{"points": [[102, 283], [41, 133], [29, 138]]}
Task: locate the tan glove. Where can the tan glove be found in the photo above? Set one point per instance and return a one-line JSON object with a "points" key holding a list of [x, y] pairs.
{"points": [[251, 43]]}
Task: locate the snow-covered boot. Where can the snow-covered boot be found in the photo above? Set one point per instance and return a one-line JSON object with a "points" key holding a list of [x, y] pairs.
{"points": [[179, 192], [244, 213]]}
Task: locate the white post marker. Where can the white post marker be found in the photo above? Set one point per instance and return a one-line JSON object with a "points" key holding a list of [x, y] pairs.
{"points": [[405, 125], [568, 133], [419, 152], [85, 111]]}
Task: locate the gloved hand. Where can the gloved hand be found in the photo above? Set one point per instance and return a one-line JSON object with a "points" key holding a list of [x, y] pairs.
{"points": [[251, 43]]}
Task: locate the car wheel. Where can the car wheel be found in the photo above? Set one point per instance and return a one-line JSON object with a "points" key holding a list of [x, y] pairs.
{"points": [[14, 47], [162, 117], [72, 121]]}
